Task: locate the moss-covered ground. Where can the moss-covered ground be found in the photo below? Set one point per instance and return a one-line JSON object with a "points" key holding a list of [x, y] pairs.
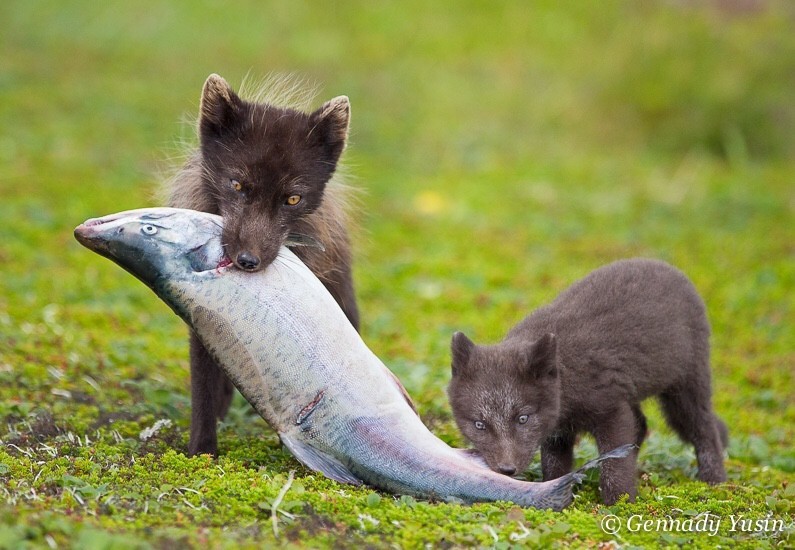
{"points": [[503, 150]]}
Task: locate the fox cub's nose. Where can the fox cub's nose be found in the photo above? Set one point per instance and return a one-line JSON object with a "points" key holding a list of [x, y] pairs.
{"points": [[247, 261], [506, 470]]}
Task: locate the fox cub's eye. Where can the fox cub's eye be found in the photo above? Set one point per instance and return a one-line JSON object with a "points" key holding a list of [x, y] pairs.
{"points": [[480, 425], [522, 419], [236, 185], [292, 200]]}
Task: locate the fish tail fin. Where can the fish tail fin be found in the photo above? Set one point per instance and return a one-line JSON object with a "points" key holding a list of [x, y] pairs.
{"points": [[618, 452], [557, 493]]}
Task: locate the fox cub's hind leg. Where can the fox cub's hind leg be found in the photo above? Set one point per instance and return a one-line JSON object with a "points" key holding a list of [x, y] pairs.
{"points": [[689, 412]]}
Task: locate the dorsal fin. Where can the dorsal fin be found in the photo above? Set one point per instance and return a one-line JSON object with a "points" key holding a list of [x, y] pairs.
{"points": [[402, 390]]}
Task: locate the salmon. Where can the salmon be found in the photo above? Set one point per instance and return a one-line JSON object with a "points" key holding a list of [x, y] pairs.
{"points": [[289, 349]]}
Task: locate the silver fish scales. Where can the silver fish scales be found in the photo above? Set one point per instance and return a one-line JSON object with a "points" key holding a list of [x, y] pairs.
{"points": [[289, 349]]}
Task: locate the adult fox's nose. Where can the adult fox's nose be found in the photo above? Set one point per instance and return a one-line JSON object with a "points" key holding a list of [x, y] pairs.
{"points": [[506, 470], [247, 261]]}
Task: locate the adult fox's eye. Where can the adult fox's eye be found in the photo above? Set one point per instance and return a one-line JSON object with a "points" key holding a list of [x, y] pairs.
{"points": [[480, 425], [292, 200], [522, 419]]}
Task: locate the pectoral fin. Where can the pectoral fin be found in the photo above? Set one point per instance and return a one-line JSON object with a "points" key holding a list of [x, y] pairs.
{"points": [[319, 461]]}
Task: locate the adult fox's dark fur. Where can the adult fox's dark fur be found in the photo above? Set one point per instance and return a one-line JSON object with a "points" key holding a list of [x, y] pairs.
{"points": [[269, 171]]}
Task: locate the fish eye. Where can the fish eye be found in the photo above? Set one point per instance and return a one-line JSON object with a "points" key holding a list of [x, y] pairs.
{"points": [[236, 185], [480, 425], [149, 230], [522, 419], [292, 200]]}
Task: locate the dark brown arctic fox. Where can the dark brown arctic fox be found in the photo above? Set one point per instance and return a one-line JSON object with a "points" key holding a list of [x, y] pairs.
{"points": [[268, 170], [630, 330]]}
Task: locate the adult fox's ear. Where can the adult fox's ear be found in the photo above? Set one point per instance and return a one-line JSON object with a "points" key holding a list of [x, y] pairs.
{"points": [[542, 357], [461, 348], [329, 126], [220, 106]]}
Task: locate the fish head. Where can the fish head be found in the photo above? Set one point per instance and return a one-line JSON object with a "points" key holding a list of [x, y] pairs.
{"points": [[156, 243], [505, 398]]}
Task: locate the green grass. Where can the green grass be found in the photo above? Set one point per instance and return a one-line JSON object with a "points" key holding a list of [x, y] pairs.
{"points": [[503, 152]]}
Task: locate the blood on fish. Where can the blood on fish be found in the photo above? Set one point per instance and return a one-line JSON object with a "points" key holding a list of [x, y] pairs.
{"points": [[306, 411], [225, 262]]}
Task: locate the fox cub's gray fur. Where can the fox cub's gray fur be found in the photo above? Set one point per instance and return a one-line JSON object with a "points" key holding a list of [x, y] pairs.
{"points": [[268, 170], [630, 330]]}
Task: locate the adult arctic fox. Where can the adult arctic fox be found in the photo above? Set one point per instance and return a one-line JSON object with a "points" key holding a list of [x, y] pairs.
{"points": [[269, 171]]}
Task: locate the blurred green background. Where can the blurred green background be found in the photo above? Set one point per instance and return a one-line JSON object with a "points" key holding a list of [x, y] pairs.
{"points": [[502, 150]]}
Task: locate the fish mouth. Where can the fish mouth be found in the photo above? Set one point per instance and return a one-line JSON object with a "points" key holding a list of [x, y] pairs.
{"points": [[90, 235], [100, 234], [91, 222], [93, 233], [143, 213]]}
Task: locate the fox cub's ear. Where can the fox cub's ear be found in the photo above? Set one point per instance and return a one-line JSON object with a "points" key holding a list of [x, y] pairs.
{"points": [[329, 125], [220, 106], [542, 357], [461, 348]]}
